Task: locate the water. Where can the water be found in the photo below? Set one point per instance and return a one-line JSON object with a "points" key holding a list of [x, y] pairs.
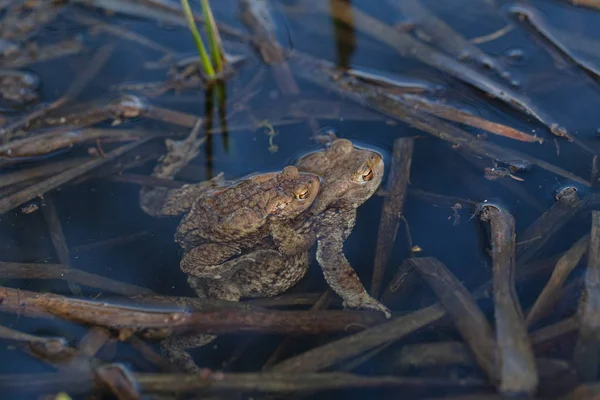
{"points": [[102, 209]]}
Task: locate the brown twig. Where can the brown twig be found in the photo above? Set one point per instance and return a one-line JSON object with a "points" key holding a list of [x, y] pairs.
{"points": [[325, 74], [218, 382], [445, 37], [58, 240], [564, 266], [159, 324], [586, 3], [57, 271], [38, 189], [518, 372], [46, 169], [329, 354], [450, 113], [528, 13], [321, 304], [548, 224], [410, 47], [392, 208], [256, 16], [467, 316], [586, 357]]}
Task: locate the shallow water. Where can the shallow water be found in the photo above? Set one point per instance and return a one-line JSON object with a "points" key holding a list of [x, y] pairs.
{"points": [[101, 209]]}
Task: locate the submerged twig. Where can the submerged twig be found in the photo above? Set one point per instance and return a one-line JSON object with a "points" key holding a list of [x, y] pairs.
{"points": [[325, 74], [78, 84], [543, 229], [586, 3], [564, 266], [206, 382], [453, 114], [445, 37], [517, 368], [58, 239], [392, 208], [256, 15], [156, 324], [467, 316], [537, 22], [410, 47], [29, 193], [63, 272], [586, 357], [331, 353]]}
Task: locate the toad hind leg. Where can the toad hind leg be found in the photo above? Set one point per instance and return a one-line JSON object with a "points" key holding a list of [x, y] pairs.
{"points": [[174, 348], [341, 277], [209, 260]]}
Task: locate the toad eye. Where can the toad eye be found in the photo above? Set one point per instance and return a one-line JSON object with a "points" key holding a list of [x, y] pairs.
{"points": [[367, 173], [302, 194]]}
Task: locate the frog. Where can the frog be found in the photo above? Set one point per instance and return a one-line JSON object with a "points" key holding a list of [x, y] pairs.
{"points": [[349, 176], [222, 218]]}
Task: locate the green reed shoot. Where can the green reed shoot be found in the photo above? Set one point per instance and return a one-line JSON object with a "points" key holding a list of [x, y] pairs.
{"points": [[214, 39], [189, 16]]}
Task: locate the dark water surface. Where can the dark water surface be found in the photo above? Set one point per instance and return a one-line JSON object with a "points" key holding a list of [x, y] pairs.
{"points": [[109, 235]]}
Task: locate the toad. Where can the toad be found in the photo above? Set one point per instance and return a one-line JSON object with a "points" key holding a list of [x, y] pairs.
{"points": [[222, 219], [350, 176]]}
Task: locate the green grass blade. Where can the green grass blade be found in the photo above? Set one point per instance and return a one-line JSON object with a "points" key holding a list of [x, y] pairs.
{"points": [[214, 39], [189, 16]]}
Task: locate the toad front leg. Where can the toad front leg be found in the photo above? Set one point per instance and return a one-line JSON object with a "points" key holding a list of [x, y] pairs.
{"points": [[337, 270]]}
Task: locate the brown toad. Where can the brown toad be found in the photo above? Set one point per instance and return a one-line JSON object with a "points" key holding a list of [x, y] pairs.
{"points": [[222, 219], [350, 176]]}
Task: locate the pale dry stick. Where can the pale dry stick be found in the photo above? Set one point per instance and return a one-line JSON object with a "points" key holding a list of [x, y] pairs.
{"points": [[470, 321], [517, 369], [492, 36], [131, 317], [586, 357], [10, 270], [545, 30], [564, 266], [14, 200], [444, 37], [392, 208], [454, 114]]}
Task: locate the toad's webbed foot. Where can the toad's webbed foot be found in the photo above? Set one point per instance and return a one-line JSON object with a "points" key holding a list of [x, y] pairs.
{"points": [[366, 302], [341, 277], [174, 349]]}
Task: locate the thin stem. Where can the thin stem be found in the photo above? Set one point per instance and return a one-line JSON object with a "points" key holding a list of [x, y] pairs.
{"points": [[189, 17], [214, 39]]}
